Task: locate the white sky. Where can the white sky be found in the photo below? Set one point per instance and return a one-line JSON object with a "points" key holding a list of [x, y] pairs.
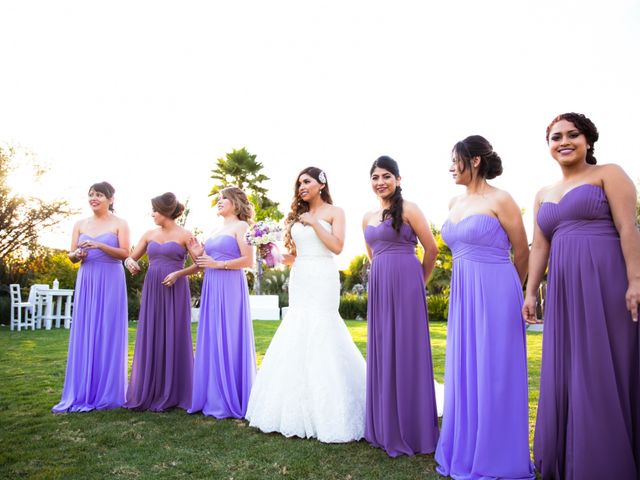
{"points": [[147, 95]]}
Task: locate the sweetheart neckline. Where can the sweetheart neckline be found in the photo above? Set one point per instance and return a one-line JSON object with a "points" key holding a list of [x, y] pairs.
{"points": [[164, 243], [383, 222], [99, 235], [455, 224], [573, 189]]}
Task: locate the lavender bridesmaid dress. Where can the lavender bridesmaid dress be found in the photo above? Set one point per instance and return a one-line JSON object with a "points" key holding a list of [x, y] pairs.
{"points": [[162, 369], [225, 363], [96, 375], [588, 423], [401, 412], [485, 425]]}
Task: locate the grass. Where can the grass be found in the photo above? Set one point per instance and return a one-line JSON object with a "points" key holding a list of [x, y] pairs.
{"points": [[36, 444]]}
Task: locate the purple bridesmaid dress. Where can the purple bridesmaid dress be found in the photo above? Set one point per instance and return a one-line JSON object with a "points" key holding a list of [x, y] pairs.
{"points": [[401, 414], [96, 375], [162, 369], [588, 423], [485, 424], [225, 363]]}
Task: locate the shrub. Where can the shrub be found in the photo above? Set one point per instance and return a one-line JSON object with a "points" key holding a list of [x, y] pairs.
{"points": [[438, 307], [5, 308], [353, 306], [275, 281], [57, 265]]}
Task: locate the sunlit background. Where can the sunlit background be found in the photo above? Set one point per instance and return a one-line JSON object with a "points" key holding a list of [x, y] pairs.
{"points": [[147, 95]]}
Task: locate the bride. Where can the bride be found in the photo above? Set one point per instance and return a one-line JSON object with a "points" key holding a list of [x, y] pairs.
{"points": [[312, 379]]}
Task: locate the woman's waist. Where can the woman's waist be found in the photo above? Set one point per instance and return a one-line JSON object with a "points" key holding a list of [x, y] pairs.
{"points": [[407, 249], [101, 258], [314, 257], [157, 264], [221, 257], [481, 254], [587, 228]]}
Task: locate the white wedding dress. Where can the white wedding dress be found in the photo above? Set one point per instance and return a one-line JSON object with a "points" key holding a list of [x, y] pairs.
{"points": [[312, 379]]}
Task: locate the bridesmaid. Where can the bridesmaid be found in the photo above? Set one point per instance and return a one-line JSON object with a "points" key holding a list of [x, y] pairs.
{"points": [[162, 368], [225, 364], [401, 412], [96, 376], [485, 427], [588, 422]]}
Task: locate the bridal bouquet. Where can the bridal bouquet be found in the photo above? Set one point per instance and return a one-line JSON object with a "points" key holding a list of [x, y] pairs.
{"points": [[263, 235]]}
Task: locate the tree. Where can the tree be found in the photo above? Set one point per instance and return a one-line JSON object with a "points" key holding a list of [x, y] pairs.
{"points": [[23, 218], [241, 169], [356, 274], [441, 275]]}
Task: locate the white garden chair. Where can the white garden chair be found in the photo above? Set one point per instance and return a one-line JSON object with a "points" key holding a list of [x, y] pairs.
{"points": [[37, 303], [21, 312]]}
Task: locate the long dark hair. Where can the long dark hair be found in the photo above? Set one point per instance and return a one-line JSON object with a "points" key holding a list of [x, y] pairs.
{"points": [[394, 212], [106, 189], [299, 206], [585, 126], [478, 146]]}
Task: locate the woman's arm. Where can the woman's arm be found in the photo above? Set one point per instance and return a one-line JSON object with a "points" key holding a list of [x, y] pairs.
{"points": [[365, 223], [131, 262], [510, 218], [622, 197], [76, 254], [333, 240], [170, 279], [419, 224], [288, 259], [538, 259]]}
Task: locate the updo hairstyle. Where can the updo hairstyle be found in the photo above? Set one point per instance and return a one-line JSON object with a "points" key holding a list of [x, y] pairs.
{"points": [[168, 205], [477, 146]]}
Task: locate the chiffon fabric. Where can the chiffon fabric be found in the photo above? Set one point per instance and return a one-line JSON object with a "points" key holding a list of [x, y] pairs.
{"points": [[225, 360], [312, 379], [588, 422], [96, 376], [162, 370], [401, 414], [485, 426]]}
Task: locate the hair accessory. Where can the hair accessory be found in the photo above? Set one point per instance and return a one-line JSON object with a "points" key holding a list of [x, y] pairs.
{"points": [[322, 177]]}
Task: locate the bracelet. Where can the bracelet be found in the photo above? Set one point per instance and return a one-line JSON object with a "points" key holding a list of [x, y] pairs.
{"points": [[126, 261]]}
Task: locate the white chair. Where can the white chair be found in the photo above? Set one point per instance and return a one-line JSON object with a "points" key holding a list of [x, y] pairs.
{"points": [[18, 307], [37, 303]]}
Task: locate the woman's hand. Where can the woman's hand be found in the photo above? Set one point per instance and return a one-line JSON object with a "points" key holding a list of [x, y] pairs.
{"points": [[79, 254], [205, 261], [170, 279], [633, 299], [308, 219], [529, 310], [196, 249], [90, 244], [132, 265]]}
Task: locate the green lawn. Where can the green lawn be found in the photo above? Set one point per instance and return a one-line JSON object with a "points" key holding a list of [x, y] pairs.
{"points": [[34, 443]]}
